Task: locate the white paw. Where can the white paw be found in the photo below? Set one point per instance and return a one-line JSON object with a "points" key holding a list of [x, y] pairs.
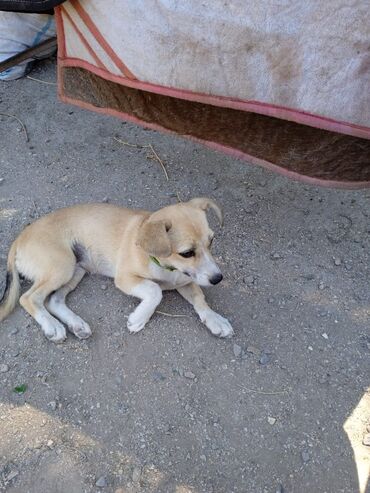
{"points": [[218, 325], [80, 328], [135, 323], [54, 331]]}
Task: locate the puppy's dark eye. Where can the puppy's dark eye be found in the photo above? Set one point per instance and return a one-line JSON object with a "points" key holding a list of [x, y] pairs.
{"points": [[188, 254]]}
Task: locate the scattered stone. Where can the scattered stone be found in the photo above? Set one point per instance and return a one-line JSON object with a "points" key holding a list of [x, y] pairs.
{"points": [[13, 332], [250, 280], [264, 359], [11, 475], [275, 256], [103, 287], [4, 368], [136, 474], [53, 405], [325, 335], [1, 180], [189, 374], [305, 456], [158, 377], [337, 261], [366, 440], [102, 482], [310, 348], [237, 350], [321, 285], [203, 458], [271, 420], [50, 443], [253, 350]]}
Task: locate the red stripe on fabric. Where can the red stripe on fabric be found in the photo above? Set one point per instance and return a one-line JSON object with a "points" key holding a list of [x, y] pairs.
{"points": [[99, 63], [100, 39], [61, 39]]}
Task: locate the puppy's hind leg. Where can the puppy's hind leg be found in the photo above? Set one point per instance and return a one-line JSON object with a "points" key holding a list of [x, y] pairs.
{"points": [[33, 302], [57, 306]]}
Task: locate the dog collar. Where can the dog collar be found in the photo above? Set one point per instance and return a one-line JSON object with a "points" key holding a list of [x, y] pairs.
{"points": [[157, 262]]}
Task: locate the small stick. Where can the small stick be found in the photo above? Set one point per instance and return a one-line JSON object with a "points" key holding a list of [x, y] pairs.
{"points": [[159, 160], [20, 121], [147, 146], [126, 143], [171, 315], [261, 392], [42, 81]]}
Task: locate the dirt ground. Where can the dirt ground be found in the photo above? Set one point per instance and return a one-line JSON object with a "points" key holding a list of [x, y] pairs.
{"points": [[283, 406]]}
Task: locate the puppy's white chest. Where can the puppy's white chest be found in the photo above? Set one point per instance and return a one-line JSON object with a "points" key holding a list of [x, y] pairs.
{"points": [[168, 279]]}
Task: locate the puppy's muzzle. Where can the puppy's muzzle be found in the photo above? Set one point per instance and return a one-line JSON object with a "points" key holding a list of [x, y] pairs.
{"points": [[216, 278]]}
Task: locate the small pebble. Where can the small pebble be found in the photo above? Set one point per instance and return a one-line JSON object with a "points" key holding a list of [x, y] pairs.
{"points": [[189, 374], [13, 332], [337, 261], [1, 180], [253, 350], [4, 368], [321, 285], [305, 456], [366, 440], [11, 475], [325, 335], [53, 405], [237, 350], [275, 256], [50, 443], [102, 482], [136, 474], [249, 280], [103, 287], [264, 359], [271, 421]]}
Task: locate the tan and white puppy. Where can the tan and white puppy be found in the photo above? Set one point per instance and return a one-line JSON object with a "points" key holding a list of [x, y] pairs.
{"points": [[145, 253]]}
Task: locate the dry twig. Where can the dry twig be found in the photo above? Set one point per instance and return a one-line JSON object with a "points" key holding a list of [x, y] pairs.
{"points": [[20, 121], [146, 146], [262, 392], [42, 81], [171, 315]]}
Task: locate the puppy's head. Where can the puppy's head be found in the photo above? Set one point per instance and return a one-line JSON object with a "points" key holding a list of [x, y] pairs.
{"points": [[180, 238]]}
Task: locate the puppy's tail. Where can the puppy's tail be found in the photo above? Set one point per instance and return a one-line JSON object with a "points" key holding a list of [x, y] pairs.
{"points": [[12, 286]]}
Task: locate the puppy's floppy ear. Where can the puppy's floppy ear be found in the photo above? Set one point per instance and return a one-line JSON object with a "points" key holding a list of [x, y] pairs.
{"points": [[153, 238], [205, 204]]}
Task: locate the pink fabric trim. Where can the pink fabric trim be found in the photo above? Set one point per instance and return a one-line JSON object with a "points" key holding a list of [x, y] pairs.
{"points": [[297, 116], [219, 147]]}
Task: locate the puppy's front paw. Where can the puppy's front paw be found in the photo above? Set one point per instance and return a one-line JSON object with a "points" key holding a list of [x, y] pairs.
{"points": [[218, 325], [80, 328], [54, 331], [135, 323]]}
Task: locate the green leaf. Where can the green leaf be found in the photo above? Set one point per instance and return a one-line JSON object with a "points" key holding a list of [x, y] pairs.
{"points": [[20, 389], [155, 260]]}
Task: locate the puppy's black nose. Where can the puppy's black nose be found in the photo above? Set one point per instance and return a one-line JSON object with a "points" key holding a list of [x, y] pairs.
{"points": [[216, 279]]}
